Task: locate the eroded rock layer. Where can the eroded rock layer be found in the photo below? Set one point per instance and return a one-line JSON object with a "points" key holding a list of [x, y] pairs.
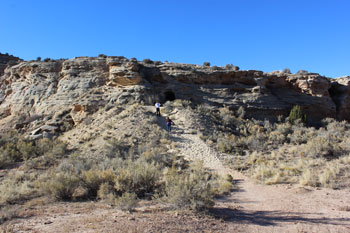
{"points": [[61, 91]]}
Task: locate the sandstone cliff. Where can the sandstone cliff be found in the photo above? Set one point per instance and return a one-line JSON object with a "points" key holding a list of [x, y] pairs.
{"points": [[64, 92]]}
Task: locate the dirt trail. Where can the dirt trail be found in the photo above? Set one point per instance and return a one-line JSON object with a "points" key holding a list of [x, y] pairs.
{"points": [[266, 208]]}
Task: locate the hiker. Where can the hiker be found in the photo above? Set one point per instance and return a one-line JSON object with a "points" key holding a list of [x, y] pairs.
{"points": [[169, 122], [157, 108]]}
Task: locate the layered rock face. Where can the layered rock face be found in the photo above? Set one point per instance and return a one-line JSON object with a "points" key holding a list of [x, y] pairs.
{"points": [[64, 91]]}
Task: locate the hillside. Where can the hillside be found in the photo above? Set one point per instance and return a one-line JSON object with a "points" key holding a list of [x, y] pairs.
{"points": [[82, 150]]}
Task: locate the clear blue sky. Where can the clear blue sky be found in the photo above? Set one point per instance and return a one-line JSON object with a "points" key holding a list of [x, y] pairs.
{"points": [[254, 34]]}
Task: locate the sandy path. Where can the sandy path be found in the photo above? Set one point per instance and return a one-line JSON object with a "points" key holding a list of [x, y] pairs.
{"points": [[263, 208]]}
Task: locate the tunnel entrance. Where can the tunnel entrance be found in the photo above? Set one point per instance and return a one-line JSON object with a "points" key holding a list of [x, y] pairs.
{"points": [[169, 95]]}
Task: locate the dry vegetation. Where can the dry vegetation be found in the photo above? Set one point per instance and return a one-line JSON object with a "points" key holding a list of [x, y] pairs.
{"points": [[128, 169], [125, 169], [287, 151]]}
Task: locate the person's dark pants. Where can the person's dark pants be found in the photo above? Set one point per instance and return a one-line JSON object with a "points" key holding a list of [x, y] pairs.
{"points": [[168, 127], [157, 111]]}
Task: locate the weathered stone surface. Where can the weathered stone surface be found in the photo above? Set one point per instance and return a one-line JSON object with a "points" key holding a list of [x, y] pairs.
{"points": [[68, 91], [340, 92], [36, 131]]}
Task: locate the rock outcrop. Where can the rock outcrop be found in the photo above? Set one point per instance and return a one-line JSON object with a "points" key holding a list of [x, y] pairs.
{"points": [[6, 60], [66, 91]]}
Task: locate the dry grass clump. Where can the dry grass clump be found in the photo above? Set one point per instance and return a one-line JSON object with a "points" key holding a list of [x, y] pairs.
{"points": [[127, 201], [192, 189]]}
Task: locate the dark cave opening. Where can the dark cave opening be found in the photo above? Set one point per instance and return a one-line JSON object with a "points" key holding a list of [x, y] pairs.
{"points": [[169, 95]]}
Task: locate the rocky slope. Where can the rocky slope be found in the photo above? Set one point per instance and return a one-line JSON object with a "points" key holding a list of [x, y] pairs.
{"points": [[63, 92]]}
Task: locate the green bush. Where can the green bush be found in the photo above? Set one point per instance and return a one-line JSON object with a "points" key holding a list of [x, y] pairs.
{"points": [[286, 71], [296, 114], [147, 61], [207, 64]]}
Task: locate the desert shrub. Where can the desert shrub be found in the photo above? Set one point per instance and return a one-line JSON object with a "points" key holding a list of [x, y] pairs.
{"points": [[321, 147], [46, 153], [138, 177], [18, 186], [241, 112], [301, 135], [80, 177], [102, 55], [296, 114], [9, 152], [157, 156], [328, 176], [106, 192], [62, 185], [256, 142], [308, 178], [227, 116], [117, 149], [277, 138], [147, 61], [231, 67], [38, 59], [26, 149], [302, 72], [180, 103], [92, 180], [190, 190], [224, 145], [207, 64], [15, 148], [224, 186], [5, 159], [127, 202], [286, 71]]}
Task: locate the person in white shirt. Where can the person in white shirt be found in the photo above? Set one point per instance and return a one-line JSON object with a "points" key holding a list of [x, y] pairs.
{"points": [[157, 108]]}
